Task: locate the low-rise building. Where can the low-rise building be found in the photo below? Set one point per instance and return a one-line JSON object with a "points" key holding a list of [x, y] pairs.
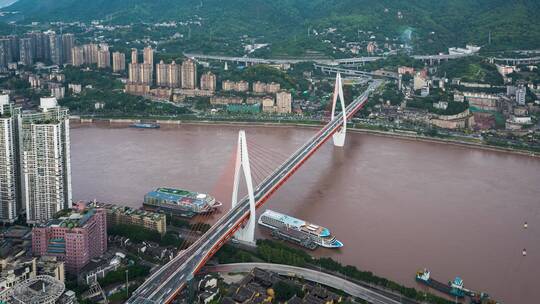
{"points": [[462, 120], [117, 215], [483, 101]]}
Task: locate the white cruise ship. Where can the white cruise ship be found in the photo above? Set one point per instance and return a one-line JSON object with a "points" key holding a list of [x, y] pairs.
{"points": [[319, 235]]}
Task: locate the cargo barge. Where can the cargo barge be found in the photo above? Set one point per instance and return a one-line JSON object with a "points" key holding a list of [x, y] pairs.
{"points": [[298, 231], [453, 288], [145, 125], [180, 202]]}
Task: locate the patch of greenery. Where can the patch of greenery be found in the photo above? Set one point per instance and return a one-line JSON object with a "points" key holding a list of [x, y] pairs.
{"points": [[471, 69]]}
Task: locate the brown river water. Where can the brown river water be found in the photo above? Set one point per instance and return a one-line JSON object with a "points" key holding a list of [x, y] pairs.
{"points": [[397, 205]]}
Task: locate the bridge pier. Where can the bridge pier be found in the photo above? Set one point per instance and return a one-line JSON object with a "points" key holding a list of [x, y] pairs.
{"points": [[339, 136], [247, 233]]}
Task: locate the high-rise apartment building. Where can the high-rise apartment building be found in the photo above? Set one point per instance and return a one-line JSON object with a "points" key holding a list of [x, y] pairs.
{"points": [[75, 238], [39, 41], [162, 74], [90, 53], [45, 161], [14, 44], [104, 59], [5, 52], [284, 102], [175, 75], [68, 41], [26, 51], [119, 62], [140, 73], [56, 48], [148, 56], [134, 73], [145, 73], [9, 188], [521, 94], [77, 56], [134, 56], [189, 74], [208, 81]]}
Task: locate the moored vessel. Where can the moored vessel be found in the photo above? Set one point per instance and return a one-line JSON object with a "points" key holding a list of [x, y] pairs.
{"points": [[299, 231], [180, 202], [145, 125]]}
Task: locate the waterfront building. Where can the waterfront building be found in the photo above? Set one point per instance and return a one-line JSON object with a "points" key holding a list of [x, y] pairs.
{"points": [[45, 161], [208, 81], [268, 105], [175, 75], [225, 100], [117, 215], [189, 74], [68, 41], [9, 187], [145, 74], [483, 101], [74, 237], [162, 74], [463, 120], [77, 56], [26, 51], [104, 59], [119, 62], [284, 102]]}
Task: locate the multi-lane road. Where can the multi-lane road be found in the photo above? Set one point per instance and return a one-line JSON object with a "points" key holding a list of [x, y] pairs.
{"points": [[163, 285], [323, 278]]}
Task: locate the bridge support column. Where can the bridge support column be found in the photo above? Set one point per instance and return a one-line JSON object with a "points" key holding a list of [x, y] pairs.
{"points": [[339, 136], [247, 233]]}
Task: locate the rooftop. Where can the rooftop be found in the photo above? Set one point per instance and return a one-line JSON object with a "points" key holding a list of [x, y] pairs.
{"points": [[71, 219]]}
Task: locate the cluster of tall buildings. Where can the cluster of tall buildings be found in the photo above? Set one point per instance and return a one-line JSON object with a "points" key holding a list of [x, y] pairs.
{"points": [[58, 49], [169, 75], [143, 75], [34, 46], [34, 161], [99, 55]]}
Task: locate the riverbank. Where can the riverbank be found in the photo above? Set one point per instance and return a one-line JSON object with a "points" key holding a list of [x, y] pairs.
{"points": [[311, 125]]}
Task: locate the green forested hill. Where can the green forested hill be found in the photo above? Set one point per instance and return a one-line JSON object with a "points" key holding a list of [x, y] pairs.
{"points": [[436, 24]]}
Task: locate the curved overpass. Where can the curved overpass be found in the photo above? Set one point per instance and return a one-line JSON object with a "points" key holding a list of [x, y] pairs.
{"points": [[310, 275], [163, 285]]}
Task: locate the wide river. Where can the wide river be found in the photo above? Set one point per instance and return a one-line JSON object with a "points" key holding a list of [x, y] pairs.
{"points": [[397, 205]]}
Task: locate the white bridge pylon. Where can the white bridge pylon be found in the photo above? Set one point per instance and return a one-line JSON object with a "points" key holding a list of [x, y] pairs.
{"points": [[339, 136], [247, 233]]}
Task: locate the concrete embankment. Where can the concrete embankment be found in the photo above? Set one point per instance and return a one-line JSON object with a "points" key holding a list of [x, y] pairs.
{"points": [[313, 125]]}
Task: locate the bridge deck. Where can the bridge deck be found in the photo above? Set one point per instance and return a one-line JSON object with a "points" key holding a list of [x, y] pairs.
{"points": [[163, 285]]}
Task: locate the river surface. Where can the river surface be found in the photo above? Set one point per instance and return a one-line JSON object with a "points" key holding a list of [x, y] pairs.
{"points": [[397, 205]]}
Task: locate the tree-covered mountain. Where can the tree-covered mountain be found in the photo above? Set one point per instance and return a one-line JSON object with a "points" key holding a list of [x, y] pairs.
{"points": [[435, 24]]}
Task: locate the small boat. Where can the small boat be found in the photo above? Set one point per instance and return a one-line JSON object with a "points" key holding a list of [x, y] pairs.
{"points": [[145, 125]]}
